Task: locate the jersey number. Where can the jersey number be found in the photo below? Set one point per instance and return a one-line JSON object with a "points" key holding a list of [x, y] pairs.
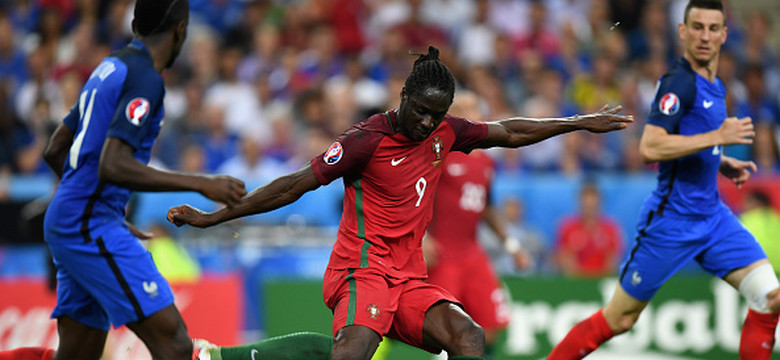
{"points": [[420, 187], [86, 116], [472, 197]]}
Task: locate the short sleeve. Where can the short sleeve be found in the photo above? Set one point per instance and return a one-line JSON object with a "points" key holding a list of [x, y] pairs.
{"points": [[347, 155], [467, 133], [138, 103], [72, 119], [675, 96]]}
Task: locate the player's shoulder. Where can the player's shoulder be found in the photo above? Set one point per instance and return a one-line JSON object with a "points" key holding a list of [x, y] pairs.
{"points": [[140, 67], [456, 121], [680, 75]]}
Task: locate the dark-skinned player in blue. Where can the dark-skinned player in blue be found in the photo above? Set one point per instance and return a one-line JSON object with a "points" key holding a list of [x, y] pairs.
{"points": [[100, 152]]}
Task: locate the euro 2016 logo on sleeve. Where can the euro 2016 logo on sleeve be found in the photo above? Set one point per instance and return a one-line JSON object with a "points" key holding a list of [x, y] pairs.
{"points": [[333, 154], [136, 110], [669, 104]]}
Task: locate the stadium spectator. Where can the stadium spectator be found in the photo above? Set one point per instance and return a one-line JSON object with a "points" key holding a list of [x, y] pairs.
{"points": [[684, 218], [589, 244], [377, 253]]}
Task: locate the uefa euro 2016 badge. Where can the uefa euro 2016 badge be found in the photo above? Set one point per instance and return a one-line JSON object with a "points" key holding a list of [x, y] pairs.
{"points": [[669, 104], [437, 147], [333, 154]]}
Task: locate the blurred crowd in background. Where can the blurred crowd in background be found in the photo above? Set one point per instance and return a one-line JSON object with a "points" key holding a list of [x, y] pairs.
{"points": [[264, 85]]}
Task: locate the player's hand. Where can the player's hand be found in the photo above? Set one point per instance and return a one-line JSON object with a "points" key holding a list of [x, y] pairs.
{"points": [[225, 189], [186, 214], [140, 234], [605, 120], [737, 171], [737, 131], [522, 260]]}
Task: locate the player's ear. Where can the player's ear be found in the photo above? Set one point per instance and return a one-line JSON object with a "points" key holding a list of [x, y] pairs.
{"points": [[725, 34], [403, 92], [132, 25]]}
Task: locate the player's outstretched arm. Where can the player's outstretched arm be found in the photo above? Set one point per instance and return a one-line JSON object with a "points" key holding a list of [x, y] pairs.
{"points": [[118, 166], [520, 131], [57, 149], [280, 192], [657, 144]]}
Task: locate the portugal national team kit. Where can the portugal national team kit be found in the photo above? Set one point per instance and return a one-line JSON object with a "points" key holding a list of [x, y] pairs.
{"points": [[374, 277], [684, 218], [104, 274]]}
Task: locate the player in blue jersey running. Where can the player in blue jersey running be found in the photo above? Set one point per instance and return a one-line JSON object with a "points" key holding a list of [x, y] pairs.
{"points": [[100, 151], [684, 218]]}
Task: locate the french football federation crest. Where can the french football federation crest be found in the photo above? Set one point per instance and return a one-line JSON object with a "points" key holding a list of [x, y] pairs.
{"points": [[437, 145], [136, 110], [669, 104], [373, 311], [333, 154]]}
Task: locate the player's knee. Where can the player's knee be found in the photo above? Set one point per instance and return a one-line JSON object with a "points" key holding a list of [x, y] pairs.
{"points": [[625, 323], [469, 338], [758, 288]]}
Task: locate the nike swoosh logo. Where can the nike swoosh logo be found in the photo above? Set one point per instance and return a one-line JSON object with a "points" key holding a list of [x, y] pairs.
{"points": [[707, 104], [395, 162], [253, 353]]}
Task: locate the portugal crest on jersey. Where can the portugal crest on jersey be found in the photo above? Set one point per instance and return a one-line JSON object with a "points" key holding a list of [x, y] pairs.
{"points": [[669, 104], [136, 110], [333, 154], [438, 145]]}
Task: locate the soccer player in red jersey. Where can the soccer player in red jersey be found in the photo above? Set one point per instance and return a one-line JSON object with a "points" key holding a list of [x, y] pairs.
{"points": [[391, 165], [455, 259]]}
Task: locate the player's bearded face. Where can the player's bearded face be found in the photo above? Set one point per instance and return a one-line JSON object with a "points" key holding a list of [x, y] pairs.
{"points": [[419, 115], [703, 34]]}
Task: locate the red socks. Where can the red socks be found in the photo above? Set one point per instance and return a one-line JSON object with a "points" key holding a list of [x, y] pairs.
{"points": [[583, 338], [28, 353], [758, 336]]}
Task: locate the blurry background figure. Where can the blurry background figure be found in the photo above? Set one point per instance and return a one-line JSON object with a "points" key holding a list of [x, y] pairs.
{"points": [[764, 222], [532, 239], [455, 259], [589, 244], [173, 260]]}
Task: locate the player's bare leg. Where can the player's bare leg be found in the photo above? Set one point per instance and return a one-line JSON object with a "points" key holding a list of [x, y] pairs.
{"points": [[355, 342], [79, 341], [623, 311], [447, 326], [617, 317], [758, 284], [165, 334]]}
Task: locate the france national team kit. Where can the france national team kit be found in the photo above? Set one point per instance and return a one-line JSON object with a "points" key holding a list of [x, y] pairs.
{"points": [[684, 218], [104, 273]]}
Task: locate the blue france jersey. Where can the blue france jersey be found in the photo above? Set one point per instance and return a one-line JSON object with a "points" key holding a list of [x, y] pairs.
{"points": [[686, 103], [122, 99]]}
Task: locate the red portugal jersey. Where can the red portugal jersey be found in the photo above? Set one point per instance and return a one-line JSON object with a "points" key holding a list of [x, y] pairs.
{"points": [[463, 194], [390, 182]]}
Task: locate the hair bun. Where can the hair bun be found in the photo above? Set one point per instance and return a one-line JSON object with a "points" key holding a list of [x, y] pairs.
{"points": [[433, 53]]}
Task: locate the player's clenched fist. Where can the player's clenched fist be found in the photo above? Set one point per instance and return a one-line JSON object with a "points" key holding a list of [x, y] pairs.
{"points": [[737, 131], [223, 188], [186, 214]]}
